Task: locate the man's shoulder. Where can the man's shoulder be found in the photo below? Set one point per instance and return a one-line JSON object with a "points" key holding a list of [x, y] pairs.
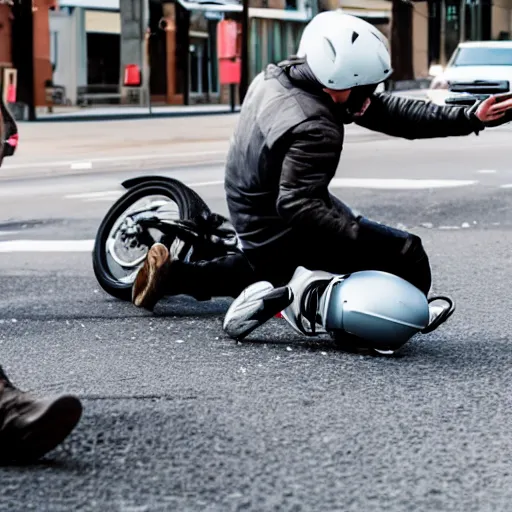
{"points": [[280, 106]]}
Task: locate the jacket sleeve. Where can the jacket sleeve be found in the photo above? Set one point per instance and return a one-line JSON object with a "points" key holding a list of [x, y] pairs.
{"points": [[309, 165], [416, 119]]}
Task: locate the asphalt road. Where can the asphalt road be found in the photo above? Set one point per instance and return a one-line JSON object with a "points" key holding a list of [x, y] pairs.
{"points": [[178, 417]]}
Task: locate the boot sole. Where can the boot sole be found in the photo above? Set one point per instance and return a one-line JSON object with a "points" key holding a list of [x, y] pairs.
{"points": [[156, 259], [258, 310]]}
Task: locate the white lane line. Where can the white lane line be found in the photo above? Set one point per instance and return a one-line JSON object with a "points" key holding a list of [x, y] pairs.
{"points": [[508, 185], [369, 183], [47, 246], [93, 195], [206, 183], [108, 195], [336, 182], [487, 171], [398, 184], [81, 165], [120, 158]]}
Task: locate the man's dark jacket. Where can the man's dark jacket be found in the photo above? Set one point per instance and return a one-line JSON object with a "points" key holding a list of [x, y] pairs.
{"points": [[286, 149]]}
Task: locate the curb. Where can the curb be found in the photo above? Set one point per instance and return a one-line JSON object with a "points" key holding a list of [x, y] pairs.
{"points": [[129, 116]]}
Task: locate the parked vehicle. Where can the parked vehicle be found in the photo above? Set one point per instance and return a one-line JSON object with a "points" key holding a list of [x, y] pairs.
{"points": [[475, 71]]}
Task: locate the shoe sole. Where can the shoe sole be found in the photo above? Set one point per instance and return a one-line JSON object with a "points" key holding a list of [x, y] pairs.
{"points": [[48, 430], [156, 258], [256, 312], [235, 327]]}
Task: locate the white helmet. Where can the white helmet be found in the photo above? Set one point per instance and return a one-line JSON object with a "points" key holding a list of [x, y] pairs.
{"points": [[344, 51]]}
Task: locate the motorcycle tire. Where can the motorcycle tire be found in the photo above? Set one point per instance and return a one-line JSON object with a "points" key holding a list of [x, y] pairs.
{"points": [[190, 206]]}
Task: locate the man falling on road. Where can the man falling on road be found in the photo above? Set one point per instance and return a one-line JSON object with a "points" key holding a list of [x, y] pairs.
{"points": [[283, 155], [29, 427]]}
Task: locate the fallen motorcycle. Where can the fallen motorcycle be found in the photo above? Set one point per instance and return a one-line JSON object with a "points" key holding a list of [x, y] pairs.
{"points": [[156, 209], [356, 308]]}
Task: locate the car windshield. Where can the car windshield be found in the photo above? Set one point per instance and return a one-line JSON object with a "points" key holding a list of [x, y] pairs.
{"points": [[483, 57]]}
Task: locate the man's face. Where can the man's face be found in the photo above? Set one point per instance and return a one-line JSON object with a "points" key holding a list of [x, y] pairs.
{"points": [[339, 97], [354, 101]]}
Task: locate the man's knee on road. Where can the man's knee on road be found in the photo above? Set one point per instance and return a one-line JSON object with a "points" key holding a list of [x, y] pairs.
{"points": [[417, 264]]}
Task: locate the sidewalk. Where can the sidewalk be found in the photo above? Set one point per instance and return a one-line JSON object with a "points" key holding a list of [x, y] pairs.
{"points": [[116, 112], [70, 147]]}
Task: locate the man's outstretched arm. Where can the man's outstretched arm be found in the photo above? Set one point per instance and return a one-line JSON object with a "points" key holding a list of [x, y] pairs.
{"points": [[415, 119]]}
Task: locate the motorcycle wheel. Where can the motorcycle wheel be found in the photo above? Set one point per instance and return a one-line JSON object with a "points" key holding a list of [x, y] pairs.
{"points": [[189, 205]]}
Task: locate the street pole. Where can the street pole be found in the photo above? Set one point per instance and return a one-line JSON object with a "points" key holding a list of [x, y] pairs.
{"points": [[462, 35], [244, 79], [479, 18], [25, 39], [146, 69], [443, 33]]}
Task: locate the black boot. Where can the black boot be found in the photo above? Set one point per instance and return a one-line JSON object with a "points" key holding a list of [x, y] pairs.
{"points": [[31, 427]]}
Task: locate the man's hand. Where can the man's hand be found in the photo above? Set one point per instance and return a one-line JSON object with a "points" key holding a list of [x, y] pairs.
{"points": [[490, 111]]}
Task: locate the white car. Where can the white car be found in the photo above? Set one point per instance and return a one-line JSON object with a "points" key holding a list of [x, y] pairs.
{"points": [[475, 71]]}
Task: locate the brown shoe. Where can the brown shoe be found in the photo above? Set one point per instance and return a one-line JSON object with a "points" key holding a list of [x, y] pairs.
{"points": [[30, 427], [151, 281]]}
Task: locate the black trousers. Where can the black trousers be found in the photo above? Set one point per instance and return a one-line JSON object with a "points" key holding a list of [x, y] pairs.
{"points": [[376, 247]]}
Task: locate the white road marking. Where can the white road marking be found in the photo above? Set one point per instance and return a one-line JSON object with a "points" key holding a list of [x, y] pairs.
{"points": [[508, 185], [81, 165], [120, 158], [336, 182], [206, 183], [7, 233], [93, 195], [108, 195], [487, 171], [398, 184], [47, 246]]}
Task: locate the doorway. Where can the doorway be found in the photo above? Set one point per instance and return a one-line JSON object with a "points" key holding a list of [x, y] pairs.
{"points": [[203, 81]]}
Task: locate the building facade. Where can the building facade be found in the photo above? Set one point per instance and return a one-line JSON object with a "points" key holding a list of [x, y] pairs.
{"points": [[12, 48], [454, 21], [80, 46], [85, 49]]}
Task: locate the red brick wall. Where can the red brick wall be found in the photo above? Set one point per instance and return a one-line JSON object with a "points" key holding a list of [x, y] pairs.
{"points": [[42, 64]]}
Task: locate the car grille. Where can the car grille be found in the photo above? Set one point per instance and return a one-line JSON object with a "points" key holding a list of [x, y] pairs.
{"points": [[481, 87]]}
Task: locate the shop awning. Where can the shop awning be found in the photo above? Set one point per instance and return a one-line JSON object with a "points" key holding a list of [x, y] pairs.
{"points": [[276, 14]]}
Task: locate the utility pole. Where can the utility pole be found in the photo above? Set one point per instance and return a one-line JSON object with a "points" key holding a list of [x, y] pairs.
{"points": [[23, 53], [462, 35], [146, 70], [479, 20], [244, 79], [443, 58], [401, 40]]}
